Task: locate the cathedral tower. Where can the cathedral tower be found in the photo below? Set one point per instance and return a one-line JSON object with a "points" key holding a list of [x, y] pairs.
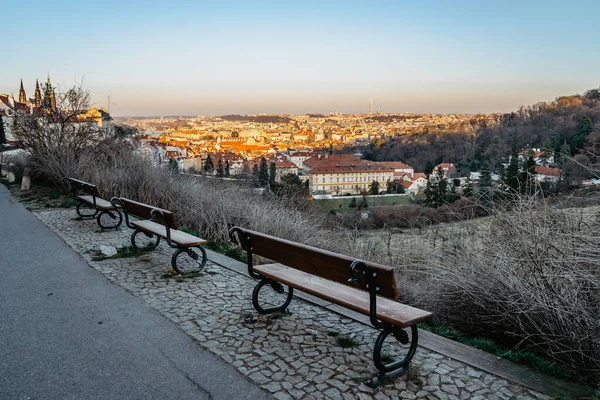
{"points": [[22, 96], [49, 99], [38, 94]]}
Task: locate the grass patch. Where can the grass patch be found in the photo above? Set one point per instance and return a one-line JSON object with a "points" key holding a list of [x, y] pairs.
{"points": [[518, 356], [386, 358], [42, 195], [181, 278], [122, 252], [268, 319], [346, 342], [341, 204], [414, 375]]}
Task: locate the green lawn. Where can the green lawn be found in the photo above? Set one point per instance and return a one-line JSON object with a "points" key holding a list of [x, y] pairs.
{"points": [[373, 201]]}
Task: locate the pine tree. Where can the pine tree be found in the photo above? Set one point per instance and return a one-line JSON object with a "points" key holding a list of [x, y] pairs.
{"points": [[374, 188], [272, 173], [585, 127], [227, 168], [362, 203], [436, 189], [2, 133], [255, 170], [208, 165], [173, 165], [485, 178], [263, 173], [468, 189], [511, 179], [220, 172]]}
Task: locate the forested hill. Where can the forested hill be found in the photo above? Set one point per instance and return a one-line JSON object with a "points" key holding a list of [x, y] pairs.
{"points": [[574, 120]]}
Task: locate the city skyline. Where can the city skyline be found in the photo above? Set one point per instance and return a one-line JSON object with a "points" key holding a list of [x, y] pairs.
{"points": [[295, 58]]}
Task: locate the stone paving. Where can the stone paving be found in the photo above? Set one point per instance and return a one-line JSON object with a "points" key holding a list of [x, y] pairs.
{"points": [[296, 355]]}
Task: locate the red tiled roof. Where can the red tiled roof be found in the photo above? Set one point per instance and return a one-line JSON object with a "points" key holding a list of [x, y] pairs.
{"points": [[541, 170], [445, 166], [395, 164]]}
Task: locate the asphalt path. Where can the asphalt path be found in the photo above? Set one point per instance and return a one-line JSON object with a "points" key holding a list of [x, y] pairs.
{"points": [[68, 333]]}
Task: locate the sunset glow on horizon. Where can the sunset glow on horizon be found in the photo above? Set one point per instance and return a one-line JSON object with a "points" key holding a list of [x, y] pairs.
{"points": [[213, 58]]}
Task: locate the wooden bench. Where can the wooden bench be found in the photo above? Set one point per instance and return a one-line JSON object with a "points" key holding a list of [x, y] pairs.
{"points": [[91, 205], [365, 287], [157, 223]]}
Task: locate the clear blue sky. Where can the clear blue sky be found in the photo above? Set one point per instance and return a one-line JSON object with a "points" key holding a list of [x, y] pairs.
{"points": [[218, 57]]}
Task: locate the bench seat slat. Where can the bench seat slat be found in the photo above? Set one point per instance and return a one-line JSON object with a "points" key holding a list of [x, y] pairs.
{"points": [[178, 237], [388, 310], [101, 204]]}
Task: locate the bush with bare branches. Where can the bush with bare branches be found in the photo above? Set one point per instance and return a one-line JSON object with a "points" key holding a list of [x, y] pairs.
{"points": [[529, 277], [56, 138]]}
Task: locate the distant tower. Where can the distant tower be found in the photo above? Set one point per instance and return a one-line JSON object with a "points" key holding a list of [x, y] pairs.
{"points": [[371, 107], [49, 99], [38, 94], [22, 96]]}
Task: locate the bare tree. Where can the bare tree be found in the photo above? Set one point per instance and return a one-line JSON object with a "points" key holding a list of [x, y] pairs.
{"points": [[55, 138]]}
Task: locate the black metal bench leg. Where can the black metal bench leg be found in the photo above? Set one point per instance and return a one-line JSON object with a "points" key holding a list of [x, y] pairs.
{"points": [[278, 287], [398, 367], [82, 211], [109, 219], [147, 246]]}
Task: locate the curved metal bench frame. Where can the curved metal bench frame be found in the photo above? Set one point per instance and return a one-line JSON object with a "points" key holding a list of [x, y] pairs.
{"points": [[88, 188], [157, 215], [385, 371]]}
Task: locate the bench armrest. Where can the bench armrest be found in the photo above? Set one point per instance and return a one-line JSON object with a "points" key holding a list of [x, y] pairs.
{"points": [[154, 214], [118, 203], [247, 245], [370, 275]]}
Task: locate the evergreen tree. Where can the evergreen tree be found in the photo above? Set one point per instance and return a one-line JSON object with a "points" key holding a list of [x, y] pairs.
{"points": [[374, 188], [272, 173], [468, 189], [485, 178], [208, 165], [585, 127], [173, 165], [263, 173], [389, 187], [436, 189], [220, 172], [227, 174], [255, 170], [2, 133], [352, 203], [511, 179], [362, 203]]}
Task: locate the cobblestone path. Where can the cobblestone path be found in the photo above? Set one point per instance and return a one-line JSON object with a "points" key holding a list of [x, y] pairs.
{"points": [[296, 355]]}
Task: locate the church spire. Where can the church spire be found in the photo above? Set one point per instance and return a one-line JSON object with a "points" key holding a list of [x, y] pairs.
{"points": [[38, 94], [22, 96], [49, 99]]}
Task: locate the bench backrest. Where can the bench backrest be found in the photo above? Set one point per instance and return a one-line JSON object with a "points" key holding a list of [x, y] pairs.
{"points": [[315, 261], [82, 186], [145, 211]]}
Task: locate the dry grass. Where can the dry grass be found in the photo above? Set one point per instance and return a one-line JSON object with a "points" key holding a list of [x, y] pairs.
{"points": [[529, 277]]}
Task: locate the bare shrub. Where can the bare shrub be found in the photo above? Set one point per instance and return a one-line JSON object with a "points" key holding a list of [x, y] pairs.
{"points": [[529, 277], [210, 206], [56, 138]]}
